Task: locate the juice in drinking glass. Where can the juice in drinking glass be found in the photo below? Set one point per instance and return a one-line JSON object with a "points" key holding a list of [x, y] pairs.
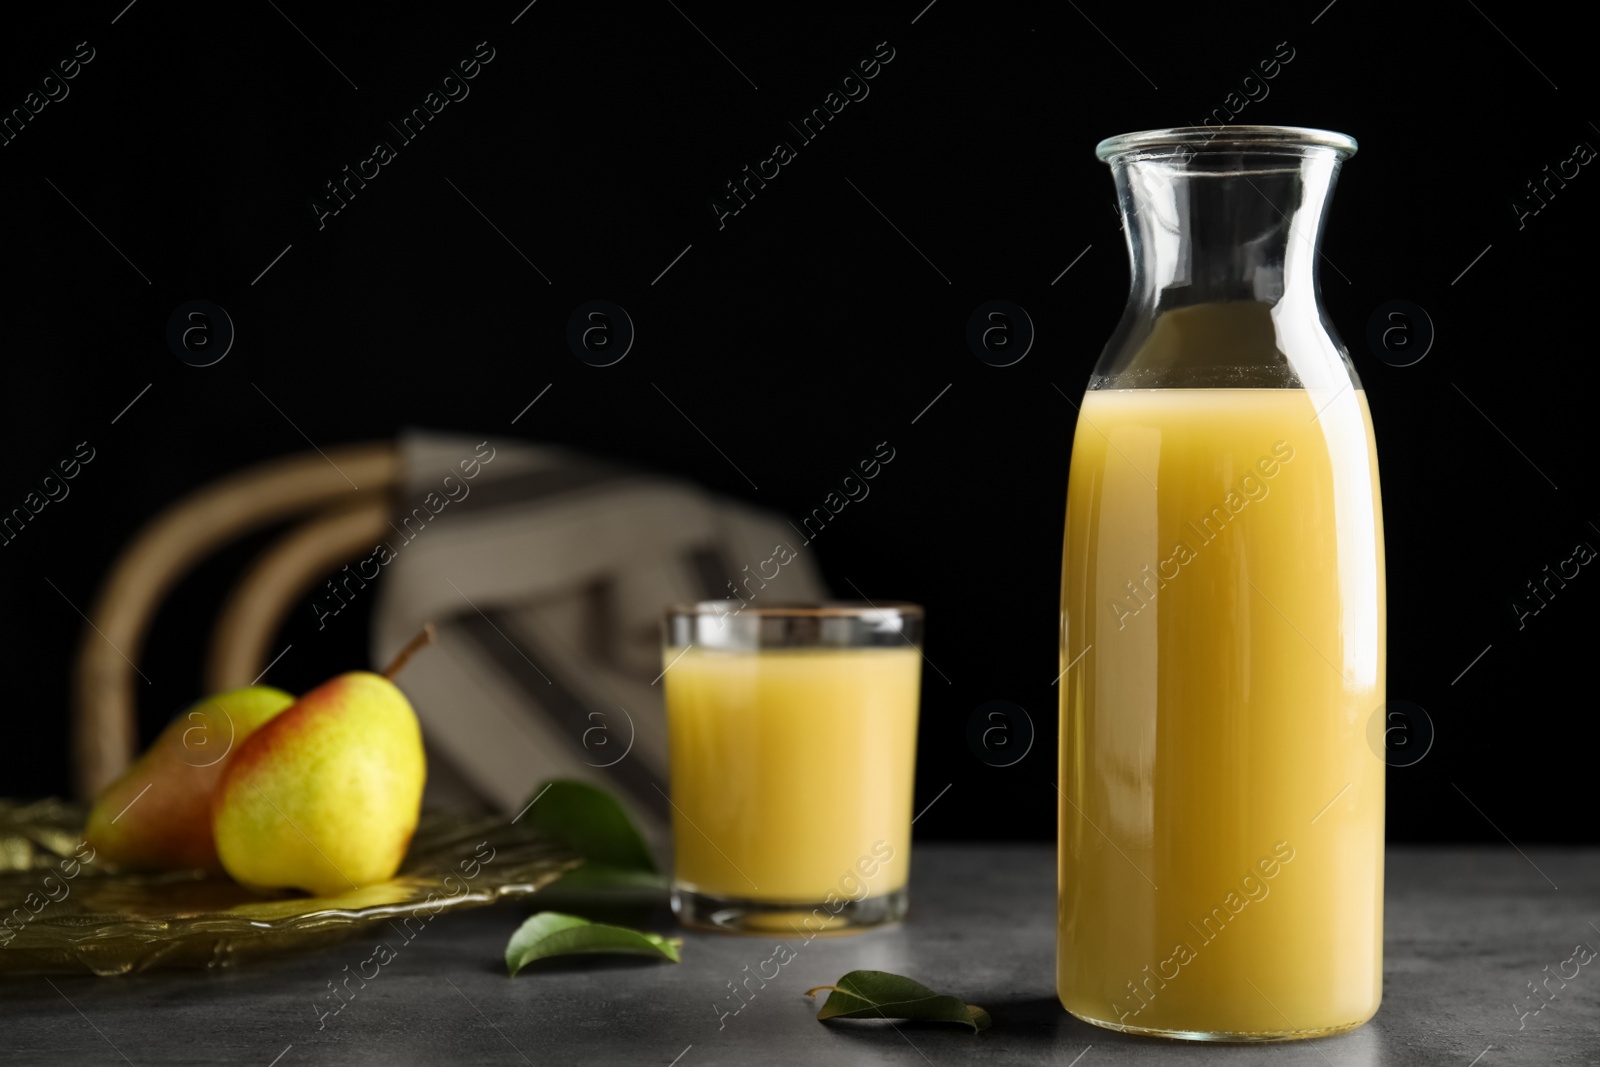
{"points": [[792, 745]]}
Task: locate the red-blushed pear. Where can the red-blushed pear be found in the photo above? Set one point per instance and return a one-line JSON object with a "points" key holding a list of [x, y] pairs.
{"points": [[326, 796], [157, 815]]}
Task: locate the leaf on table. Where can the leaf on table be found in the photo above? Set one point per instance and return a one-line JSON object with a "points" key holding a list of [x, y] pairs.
{"points": [[881, 995], [589, 821], [550, 934]]}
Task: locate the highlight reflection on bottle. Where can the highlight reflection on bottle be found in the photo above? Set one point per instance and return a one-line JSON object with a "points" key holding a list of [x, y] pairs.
{"points": [[1221, 817]]}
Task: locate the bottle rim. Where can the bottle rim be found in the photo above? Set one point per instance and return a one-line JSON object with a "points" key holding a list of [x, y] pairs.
{"points": [[1196, 139]]}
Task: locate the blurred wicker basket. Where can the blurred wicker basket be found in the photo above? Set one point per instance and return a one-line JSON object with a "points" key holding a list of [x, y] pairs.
{"points": [[339, 521]]}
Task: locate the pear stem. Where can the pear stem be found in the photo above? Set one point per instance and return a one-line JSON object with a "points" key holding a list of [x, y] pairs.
{"points": [[413, 646]]}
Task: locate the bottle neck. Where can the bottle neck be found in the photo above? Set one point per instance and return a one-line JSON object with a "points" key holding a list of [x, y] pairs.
{"points": [[1224, 250], [1238, 227]]}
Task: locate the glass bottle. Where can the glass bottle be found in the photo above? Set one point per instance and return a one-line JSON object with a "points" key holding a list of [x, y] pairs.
{"points": [[1222, 599]]}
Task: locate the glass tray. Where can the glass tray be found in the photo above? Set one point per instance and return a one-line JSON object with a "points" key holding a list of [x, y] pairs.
{"points": [[61, 911]]}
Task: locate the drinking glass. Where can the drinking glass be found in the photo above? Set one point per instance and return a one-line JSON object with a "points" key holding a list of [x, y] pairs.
{"points": [[792, 735]]}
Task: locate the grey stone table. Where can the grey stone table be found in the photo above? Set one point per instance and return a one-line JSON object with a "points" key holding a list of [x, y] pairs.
{"points": [[1466, 931]]}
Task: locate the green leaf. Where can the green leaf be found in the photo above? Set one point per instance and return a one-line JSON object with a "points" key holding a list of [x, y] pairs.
{"points": [[589, 821], [881, 995], [601, 876], [550, 934]]}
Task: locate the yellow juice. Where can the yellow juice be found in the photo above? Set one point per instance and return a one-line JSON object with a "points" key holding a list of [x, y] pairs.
{"points": [[792, 771], [1221, 810]]}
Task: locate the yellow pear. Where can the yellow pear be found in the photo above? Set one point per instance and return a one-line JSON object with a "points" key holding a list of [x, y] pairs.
{"points": [[157, 815], [326, 796]]}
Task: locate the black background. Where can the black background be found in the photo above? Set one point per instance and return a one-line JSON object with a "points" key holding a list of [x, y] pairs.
{"points": [[807, 329]]}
